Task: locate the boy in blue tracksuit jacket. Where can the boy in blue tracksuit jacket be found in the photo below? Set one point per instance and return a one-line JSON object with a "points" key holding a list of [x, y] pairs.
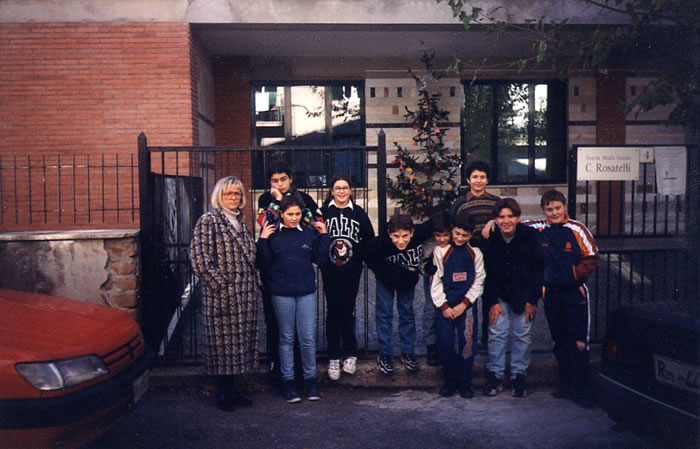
{"points": [[395, 259], [569, 255], [455, 287]]}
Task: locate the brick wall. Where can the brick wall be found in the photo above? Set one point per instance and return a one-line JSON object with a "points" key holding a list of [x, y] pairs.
{"points": [[610, 112], [233, 118], [87, 89], [610, 130]]}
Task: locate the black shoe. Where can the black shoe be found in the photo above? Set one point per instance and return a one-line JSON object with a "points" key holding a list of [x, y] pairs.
{"points": [[289, 390], [410, 362], [224, 401], [311, 389], [519, 386], [386, 364], [493, 385], [448, 388], [241, 400], [465, 390], [432, 356]]}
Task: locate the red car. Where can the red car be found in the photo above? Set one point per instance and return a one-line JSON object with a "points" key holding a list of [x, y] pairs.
{"points": [[68, 369]]}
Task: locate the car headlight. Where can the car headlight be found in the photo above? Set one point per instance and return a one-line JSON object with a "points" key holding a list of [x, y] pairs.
{"points": [[62, 373]]}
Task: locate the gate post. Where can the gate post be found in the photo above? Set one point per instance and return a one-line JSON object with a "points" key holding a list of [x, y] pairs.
{"points": [[148, 318], [381, 181], [144, 170], [571, 163]]}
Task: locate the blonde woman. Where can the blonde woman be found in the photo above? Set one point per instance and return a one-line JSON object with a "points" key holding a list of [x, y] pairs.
{"points": [[223, 258]]}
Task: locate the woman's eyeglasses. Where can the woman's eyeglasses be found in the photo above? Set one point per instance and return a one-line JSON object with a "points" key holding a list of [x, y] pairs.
{"points": [[232, 194]]}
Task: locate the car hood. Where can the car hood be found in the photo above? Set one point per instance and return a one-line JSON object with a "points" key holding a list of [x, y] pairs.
{"points": [[36, 327]]}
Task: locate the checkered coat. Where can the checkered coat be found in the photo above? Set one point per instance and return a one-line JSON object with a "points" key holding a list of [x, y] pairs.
{"points": [[224, 262]]}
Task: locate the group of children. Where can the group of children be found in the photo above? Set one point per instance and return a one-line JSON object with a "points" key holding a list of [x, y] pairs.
{"points": [[480, 249]]}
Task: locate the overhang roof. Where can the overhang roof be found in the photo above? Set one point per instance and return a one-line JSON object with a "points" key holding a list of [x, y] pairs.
{"points": [[356, 41]]}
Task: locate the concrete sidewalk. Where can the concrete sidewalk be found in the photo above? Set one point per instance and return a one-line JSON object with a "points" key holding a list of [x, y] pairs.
{"points": [[542, 371]]}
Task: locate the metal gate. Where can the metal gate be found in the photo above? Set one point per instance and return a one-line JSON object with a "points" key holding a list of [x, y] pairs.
{"points": [[175, 183], [648, 242], [645, 239]]}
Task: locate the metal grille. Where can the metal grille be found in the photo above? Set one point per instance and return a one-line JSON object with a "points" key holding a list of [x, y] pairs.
{"points": [[60, 190], [645, 239], [176, 184]]}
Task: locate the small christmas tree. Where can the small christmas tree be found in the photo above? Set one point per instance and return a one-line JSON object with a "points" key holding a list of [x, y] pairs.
{"points": [[426, 182]]}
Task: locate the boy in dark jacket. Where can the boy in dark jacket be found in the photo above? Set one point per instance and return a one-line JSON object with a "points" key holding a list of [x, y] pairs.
{"points": [[282, 185], [395, 259], [570, 255], [513, 287], [456, 285]]}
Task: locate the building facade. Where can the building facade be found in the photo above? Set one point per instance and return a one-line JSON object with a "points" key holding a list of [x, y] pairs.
{"points": [[80, 80]]}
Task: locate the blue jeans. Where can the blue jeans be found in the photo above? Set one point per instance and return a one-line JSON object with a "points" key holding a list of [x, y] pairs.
{"points": [[302, 311], [457, 364], [520, 344], [429, 311], [384, 313]]}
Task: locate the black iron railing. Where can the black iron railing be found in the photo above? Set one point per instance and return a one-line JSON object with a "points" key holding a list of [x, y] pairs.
{"points": [[648, 242], [48, 190], [175, 187]]}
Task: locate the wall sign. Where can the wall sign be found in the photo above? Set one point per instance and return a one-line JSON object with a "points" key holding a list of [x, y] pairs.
{"points": [[607, 164], [671, 170]]}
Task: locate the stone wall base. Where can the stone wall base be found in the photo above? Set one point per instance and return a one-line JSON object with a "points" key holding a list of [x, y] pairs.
{"points": [[99, 267]]}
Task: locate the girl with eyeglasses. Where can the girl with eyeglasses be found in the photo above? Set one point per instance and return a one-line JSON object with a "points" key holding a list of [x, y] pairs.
{"points": [[349, 229]]}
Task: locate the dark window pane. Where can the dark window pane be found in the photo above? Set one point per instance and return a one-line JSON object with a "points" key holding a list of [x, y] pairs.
{"points": [[310, 115], [518, 128], [477, 122]]}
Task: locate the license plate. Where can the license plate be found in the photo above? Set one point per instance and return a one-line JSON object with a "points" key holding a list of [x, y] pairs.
{"points": [[678, 374], [140, 386]]}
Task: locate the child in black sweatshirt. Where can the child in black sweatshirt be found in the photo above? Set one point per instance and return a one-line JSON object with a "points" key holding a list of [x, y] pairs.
{"points": [[349, 229], [395, 259]]}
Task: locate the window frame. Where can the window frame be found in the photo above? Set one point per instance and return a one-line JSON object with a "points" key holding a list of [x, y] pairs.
{"points": [[328, 164], [554, 86], [320, 83]]}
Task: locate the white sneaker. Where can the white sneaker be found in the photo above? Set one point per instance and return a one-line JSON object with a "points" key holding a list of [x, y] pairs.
{"points": [[334, 369], [350, 365]]}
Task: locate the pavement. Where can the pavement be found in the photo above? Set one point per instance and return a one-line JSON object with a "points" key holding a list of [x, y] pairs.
{"points": [[347, 417]]}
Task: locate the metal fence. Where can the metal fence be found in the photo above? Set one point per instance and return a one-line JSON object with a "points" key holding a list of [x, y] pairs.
{"points": [[175, 187], [49, 190], [645, 239]]}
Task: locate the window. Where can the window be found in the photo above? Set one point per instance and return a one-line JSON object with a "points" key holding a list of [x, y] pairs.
{"points": [[310, 115], [519, 128]]}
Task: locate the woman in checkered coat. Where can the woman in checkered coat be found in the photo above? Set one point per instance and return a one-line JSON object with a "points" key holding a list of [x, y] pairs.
{"points": [[223, 258]]}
